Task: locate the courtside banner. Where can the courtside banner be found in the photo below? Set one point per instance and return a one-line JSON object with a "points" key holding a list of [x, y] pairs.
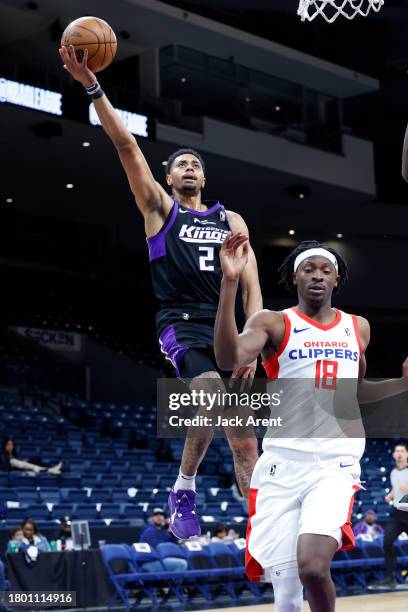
{"points": [[327, 408], [54, 339]]}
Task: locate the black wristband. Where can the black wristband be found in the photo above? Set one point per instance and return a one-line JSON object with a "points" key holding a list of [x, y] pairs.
{"points": [[98, 94], [94, 91]]}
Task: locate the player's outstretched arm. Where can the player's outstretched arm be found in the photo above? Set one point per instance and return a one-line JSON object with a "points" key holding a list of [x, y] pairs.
{"points": [[232, 349], [151, 198]]}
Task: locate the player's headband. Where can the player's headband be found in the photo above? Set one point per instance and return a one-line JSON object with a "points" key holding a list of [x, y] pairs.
{"points": [[311, 253]]}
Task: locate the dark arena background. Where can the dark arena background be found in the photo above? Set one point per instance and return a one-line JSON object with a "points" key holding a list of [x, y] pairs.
{"points": [[301, 125]]}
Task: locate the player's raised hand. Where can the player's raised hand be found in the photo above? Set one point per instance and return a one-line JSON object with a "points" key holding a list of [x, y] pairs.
{"points": [[78, 69], [234, 255], [246, 373]]}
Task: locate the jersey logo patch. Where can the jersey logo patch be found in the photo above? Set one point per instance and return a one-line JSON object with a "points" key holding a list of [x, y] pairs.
{"points": [[186, 316], [297, 331], [346, 329], [272, 471], [202, 235], [204, 222], [222, 215]]}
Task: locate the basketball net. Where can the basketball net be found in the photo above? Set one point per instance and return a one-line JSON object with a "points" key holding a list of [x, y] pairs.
{"points": [[331, 9]]}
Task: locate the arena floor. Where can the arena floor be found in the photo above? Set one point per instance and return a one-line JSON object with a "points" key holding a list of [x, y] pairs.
{"points": [[387, 602]]}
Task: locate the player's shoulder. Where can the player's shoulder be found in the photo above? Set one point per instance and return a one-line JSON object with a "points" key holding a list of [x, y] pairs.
{"points": [[236, 221], [363, 325], [266, 318]]}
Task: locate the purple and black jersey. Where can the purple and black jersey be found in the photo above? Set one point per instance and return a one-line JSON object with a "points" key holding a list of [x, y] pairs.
{"points": [[184, 255], [186, 274]]}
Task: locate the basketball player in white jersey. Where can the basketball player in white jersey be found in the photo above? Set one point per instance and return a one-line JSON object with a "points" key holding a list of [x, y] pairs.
{"points": [[302, 489]]}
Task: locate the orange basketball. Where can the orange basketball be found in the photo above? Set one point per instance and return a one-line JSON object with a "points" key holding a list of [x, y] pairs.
{"points": [[95, 35]]}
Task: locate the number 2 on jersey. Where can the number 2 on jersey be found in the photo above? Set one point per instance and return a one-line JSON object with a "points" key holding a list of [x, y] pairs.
{"points": [[326, 374], [205, 260]]}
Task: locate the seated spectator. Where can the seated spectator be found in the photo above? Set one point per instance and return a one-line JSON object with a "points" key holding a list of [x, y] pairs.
{"points": [[10, 461], [154, 534], [221, 534], [16, 535], [31, 537], [368, 526], [65, 534]]}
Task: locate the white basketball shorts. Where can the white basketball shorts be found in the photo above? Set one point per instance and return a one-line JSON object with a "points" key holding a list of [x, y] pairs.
{"points": [[292, 493]]}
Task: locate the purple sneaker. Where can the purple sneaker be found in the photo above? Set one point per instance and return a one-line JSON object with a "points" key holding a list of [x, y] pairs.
{"points": [[183, 518]]}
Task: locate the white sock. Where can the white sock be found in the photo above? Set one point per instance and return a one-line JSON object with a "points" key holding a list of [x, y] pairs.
{"points": [[185, 482]]}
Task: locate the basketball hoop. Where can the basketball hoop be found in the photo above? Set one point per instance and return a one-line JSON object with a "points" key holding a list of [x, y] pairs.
{"points": [[331, 9]]}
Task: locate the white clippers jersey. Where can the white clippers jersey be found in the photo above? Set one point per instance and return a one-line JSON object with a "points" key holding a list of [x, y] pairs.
{"points": [[321, 407]]}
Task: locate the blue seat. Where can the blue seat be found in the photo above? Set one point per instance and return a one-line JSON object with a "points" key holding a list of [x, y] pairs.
{"points": [[403, 546], [141, 557], [170, 549], [133, 511], [234, 573], [130, 480], [17, 514], [60, 510], [23, 479], [214, 509], [86, 512], [50, 495], [166, 482], [110, 480], [39, 512], [125, 575], [8, 495], [201, 568], [121, 496], [149, 482], [76, 496], [119, 467], [99, 467], [90, 480], [219, 496], [235, 509], [111, 511], [70, 482], [160, 498], [100, 496], [144, 496]]}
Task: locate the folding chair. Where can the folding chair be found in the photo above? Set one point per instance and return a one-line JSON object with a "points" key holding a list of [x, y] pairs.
{"points": [[238, 550], [224, 558], [122, 573]]}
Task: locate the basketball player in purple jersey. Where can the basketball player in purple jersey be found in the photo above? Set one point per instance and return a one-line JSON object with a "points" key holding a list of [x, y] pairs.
{"points": [[184, 237]]}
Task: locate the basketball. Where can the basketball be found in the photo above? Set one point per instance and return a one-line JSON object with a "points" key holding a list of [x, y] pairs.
{"points": [[95, 35]]}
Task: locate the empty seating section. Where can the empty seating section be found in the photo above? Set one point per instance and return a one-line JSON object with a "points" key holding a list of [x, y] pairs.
{"points": [[110, 473], [121, 472]]}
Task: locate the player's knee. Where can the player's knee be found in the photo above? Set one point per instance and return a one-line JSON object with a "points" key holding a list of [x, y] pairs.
{"points": [[312, 572]]}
